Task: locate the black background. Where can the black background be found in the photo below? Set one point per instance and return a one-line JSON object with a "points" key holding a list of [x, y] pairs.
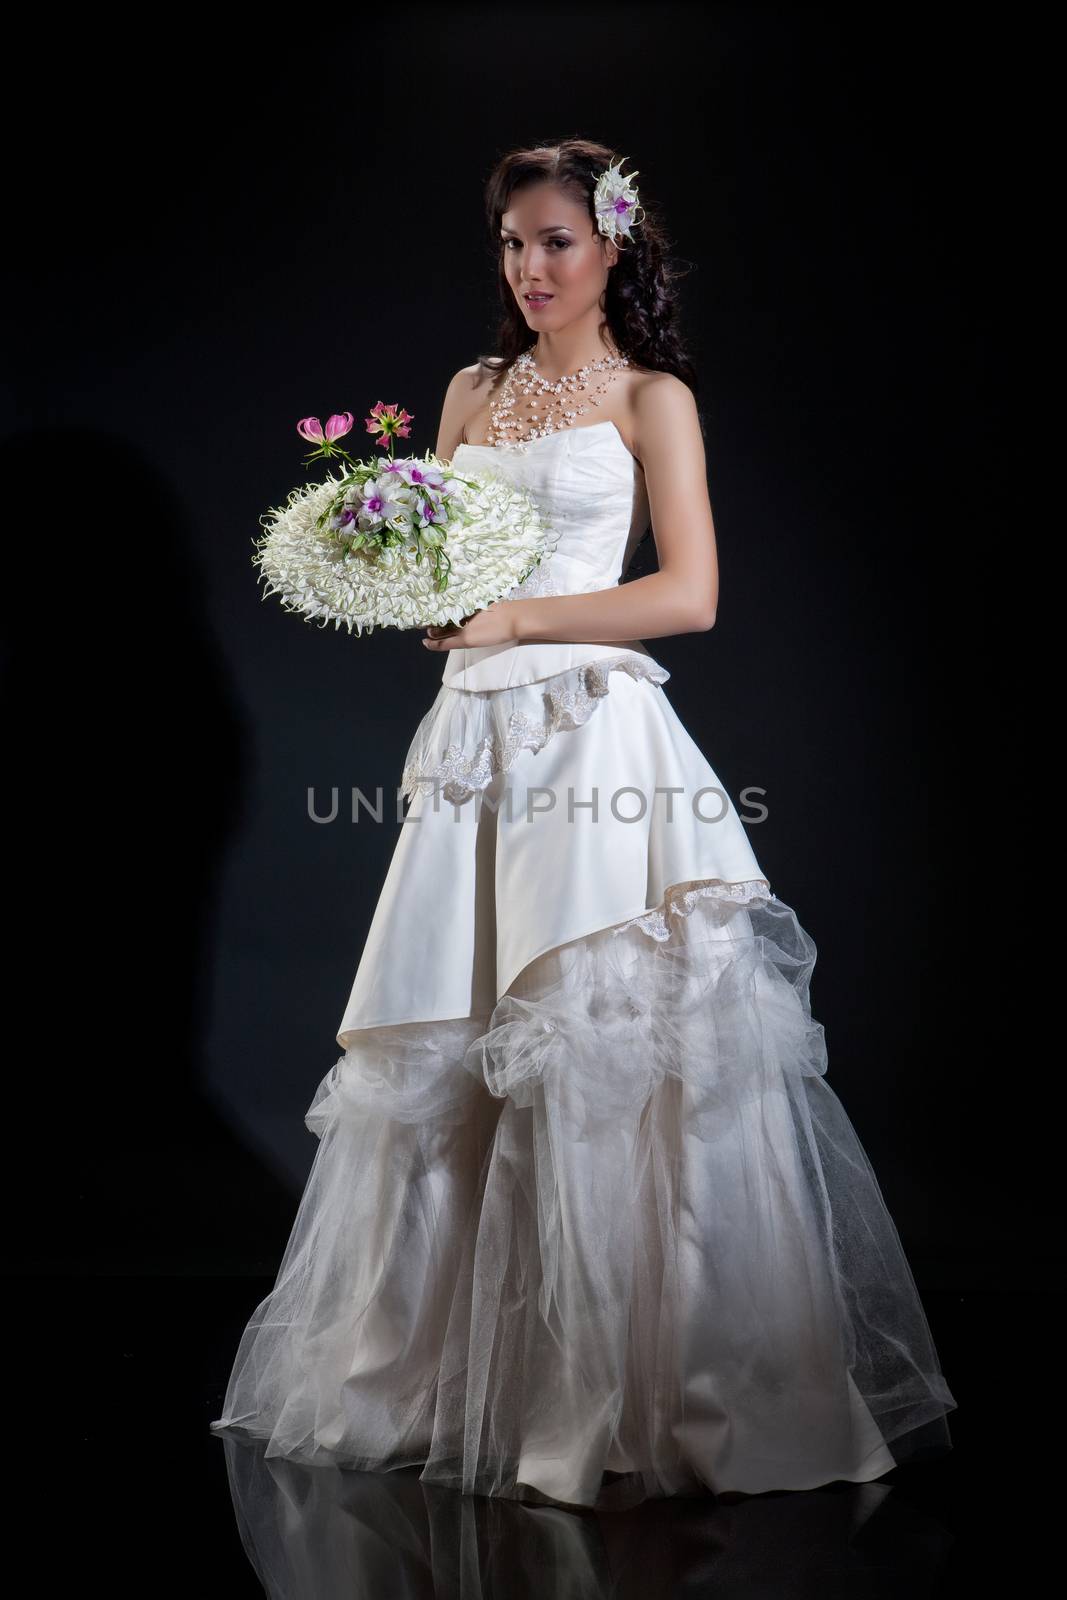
{"points": [[224, 222], [239, 221]]}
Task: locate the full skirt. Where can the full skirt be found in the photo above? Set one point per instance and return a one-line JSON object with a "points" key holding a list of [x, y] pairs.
{"points": [[610, 1236]]}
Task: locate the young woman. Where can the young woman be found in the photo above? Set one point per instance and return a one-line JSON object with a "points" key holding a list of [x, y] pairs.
{"points": [[586, 1222]]}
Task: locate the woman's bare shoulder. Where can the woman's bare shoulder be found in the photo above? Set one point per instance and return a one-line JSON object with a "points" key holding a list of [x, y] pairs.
{"points": [[477, 377], [662, 395], [649, 381], [466, 404]]}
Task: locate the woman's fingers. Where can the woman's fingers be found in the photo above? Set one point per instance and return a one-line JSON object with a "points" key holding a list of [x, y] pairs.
{"points": [[442, 630]]}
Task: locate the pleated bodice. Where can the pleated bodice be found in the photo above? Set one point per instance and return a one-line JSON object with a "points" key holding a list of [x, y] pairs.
{"points": [[591, 489]]}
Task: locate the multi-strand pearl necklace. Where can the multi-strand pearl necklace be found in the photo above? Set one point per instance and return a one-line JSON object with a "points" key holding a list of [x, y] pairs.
{"points": [[524, 376]]}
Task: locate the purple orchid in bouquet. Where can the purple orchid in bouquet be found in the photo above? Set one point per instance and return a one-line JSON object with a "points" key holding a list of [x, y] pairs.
{"points": [[402, 541]]}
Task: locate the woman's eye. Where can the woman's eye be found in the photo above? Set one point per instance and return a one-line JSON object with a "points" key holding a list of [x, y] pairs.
{"points": [[564, 242]]}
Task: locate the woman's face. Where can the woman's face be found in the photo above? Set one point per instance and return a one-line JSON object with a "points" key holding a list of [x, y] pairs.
{"points": [[551, 248]]}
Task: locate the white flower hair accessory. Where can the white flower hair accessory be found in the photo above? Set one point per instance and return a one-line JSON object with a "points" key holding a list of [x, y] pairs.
{"points": [[615, 202]]}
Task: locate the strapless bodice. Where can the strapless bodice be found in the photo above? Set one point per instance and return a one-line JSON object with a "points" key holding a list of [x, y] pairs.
{"points": [[592, 490]]}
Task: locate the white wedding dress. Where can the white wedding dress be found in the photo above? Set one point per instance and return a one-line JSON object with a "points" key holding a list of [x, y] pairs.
{"points": [[585, 1219]]}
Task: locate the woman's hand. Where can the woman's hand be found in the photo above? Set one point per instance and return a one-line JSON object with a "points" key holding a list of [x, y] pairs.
{"points": [[497, 624]]}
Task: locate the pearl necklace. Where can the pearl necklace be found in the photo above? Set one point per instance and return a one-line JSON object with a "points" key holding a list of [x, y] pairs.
{"points": [[525, 375]]}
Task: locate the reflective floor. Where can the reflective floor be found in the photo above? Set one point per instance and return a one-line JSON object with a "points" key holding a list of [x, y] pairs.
{"points": [[170, 1508]]}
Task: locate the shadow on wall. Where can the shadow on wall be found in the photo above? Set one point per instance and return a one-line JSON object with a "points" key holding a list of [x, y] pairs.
{"points": [[127, 762]]}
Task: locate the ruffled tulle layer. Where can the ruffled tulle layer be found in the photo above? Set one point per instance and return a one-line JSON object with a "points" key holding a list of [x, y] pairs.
{"points": [[621, 1225], [468, 737]]}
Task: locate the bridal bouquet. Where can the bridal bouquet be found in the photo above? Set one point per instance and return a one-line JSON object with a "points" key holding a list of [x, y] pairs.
{"points": [[403, 542]]}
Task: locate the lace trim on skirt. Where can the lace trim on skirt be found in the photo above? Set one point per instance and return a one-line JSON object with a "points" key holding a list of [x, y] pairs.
{"points": [[468, 736]]}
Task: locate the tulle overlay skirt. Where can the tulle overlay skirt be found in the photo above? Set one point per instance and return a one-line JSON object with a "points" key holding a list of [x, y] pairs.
{"points": [[615, 1239]]}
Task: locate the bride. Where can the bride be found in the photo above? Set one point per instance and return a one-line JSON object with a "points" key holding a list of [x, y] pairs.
{"points": [[586, 1222]]}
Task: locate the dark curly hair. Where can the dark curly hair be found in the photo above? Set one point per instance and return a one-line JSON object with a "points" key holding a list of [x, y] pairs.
{"points": [[640, 302]]}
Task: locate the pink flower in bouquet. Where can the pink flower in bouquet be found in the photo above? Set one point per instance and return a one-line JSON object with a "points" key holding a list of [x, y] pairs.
{"points": [[311, 429], [389, 423]]}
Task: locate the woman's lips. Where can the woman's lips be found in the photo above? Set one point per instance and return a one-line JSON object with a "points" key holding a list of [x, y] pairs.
{"points": [[535, 301]]}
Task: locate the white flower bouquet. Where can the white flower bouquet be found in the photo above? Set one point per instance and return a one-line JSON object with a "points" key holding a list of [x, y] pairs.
{"points": [[403, 542]]}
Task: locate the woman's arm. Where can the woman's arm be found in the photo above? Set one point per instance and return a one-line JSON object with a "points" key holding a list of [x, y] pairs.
{"points": [[682, 596]]}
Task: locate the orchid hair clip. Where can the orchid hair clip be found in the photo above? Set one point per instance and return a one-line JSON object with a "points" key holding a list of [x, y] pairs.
{"points": [[615, 202]]}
